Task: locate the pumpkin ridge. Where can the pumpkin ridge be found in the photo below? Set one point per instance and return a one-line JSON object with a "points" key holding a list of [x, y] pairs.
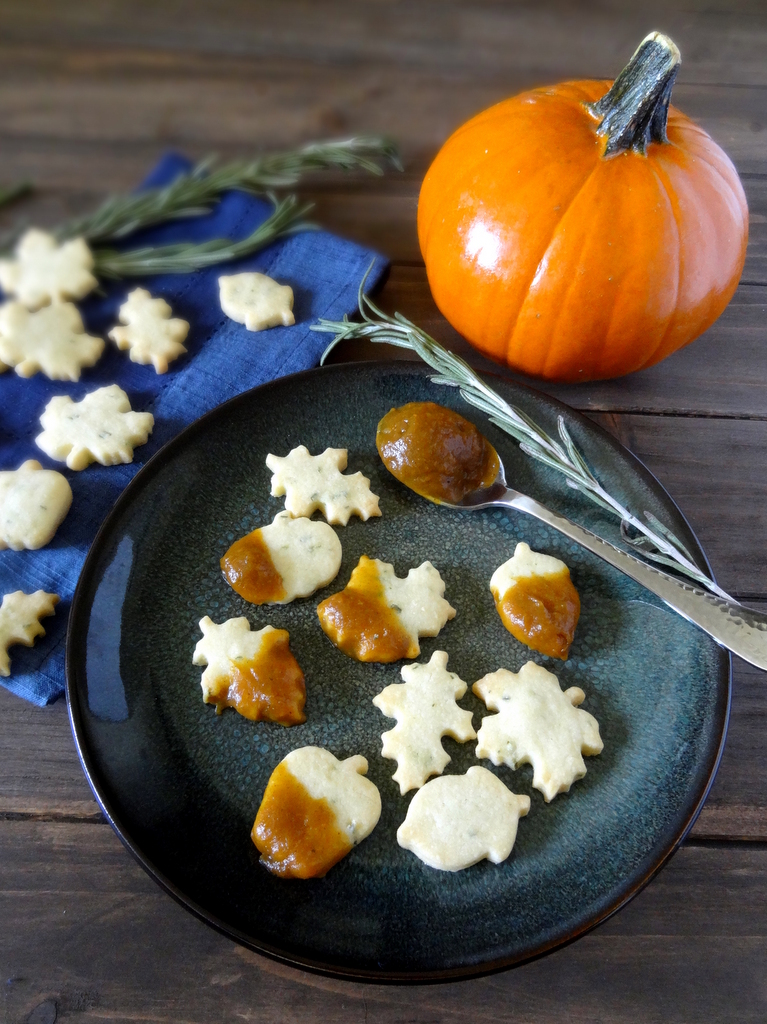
{"points": [[664, 184], [526, 292]]}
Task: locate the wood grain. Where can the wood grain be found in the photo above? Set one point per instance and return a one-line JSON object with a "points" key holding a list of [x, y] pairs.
{"points": [[112, 945]]}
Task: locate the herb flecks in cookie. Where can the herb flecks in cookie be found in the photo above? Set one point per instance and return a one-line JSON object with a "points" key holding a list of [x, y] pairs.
{"points": [[19, 621], [256, 300], [150, 332], [252, 672], [536, 724], [51, 340], [317, 482], [458, 820], [45, 271], [100, 428], [426, 710], [33, 503]]}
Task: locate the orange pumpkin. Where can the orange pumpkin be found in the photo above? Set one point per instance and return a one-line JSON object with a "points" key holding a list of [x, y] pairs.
{"points": [[580, 232]]}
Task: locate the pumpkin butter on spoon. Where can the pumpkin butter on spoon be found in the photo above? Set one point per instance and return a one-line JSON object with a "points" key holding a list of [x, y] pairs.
{"points": [[443, 457]]}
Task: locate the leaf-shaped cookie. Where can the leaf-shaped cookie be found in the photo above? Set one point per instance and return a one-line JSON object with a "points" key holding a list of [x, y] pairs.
{"points": [[52, 340], [312, 482], [19, 621], [151, 334], [45, 271]]}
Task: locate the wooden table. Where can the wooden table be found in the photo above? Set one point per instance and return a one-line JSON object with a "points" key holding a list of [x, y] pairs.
{"points": [[90, 94]]}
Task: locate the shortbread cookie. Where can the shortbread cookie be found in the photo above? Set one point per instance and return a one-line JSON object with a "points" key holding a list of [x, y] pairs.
{"points": [[426, 710], [33, 503], [44, 271], [19, 615], [458, 820], [101, 428], [537, 601], [151, 334], [290, 558], [314, 811], [312, 482], [254, 673], [256, 300], [379, 617], [537, 724], [51, 340]]}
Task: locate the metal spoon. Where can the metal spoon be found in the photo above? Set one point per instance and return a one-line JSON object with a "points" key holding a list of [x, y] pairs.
{"points": [[739, 629]]}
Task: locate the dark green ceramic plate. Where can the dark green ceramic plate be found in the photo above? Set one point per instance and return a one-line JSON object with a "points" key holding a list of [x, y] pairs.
{"points": [[181, 785]]}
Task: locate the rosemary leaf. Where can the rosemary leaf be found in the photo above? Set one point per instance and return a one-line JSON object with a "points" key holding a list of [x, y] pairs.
{"points": [[15, 191], [193, 193], [655, 541], [182, 257]]}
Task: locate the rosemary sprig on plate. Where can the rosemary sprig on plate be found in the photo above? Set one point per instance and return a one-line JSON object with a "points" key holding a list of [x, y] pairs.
{"points": [[182, 257], [649, 536], [193, 193]]}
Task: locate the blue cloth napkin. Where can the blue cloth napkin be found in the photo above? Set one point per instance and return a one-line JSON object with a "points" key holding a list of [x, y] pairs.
{"points": [[223, 360]]}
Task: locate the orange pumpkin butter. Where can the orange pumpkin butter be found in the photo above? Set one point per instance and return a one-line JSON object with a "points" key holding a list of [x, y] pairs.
{"points": [[583, 231], [271, 687]]}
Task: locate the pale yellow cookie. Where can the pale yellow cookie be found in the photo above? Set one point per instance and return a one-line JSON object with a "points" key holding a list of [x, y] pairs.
{"points": [[302, 556], [256, 300], [395, 612], [150, 333], [458, 820], [100, 428], [45, 271], [51, 340], [537, 724], [316, 482], [314, 811], [33, 503], [426, 710], [19, 615]]}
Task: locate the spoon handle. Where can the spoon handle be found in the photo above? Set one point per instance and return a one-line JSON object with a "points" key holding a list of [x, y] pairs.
{"points": [[739, 629]]}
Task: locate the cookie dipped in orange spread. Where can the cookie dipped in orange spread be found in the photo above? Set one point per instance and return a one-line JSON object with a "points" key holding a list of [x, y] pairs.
{"points": [[254, 673], [314, 811], [435, 451], [379, 617], [537, 601]]}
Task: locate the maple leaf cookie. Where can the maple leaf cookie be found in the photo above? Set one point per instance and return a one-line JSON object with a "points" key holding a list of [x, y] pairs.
{"points": [[426, 710], [101, 428], [537, 724], [252, 672], [151, 334], [19, 615], [33, 503], [256, 300], [537, 601], [379, 617], [458, 820], [45, 271], [287, 559], [314, 811], [316, 482], [51, 340]]}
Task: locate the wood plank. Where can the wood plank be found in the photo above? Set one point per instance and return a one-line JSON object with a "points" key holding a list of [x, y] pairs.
{"points": [[86, 930]]}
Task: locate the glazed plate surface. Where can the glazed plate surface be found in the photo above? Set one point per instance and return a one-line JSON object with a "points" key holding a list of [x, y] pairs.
{"points": [[181, 785]]}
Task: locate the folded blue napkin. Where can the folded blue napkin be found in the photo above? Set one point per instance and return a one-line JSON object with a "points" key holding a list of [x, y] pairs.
{"points": [[223, 360]]}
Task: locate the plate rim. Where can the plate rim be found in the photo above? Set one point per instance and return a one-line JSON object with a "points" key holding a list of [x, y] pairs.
{"points": [[74, 709]]}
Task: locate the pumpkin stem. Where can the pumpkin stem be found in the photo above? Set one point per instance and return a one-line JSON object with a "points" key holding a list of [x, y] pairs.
{"points": [[635, 110]]}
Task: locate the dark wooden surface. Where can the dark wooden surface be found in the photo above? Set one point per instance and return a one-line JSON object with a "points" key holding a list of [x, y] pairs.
{"points": [[90, 94]]}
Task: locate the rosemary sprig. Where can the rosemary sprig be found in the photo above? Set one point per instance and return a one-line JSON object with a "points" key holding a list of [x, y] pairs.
{"points": [[12, 192], [651, 538], [182, 257], [193, 193]]}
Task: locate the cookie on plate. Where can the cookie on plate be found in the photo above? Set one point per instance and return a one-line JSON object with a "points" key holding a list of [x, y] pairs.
{"points": [[426, 710], [33, 503], [380, 617], [287, 559], [537, 724], [457, 820], [315, 810], [316, 482]]}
